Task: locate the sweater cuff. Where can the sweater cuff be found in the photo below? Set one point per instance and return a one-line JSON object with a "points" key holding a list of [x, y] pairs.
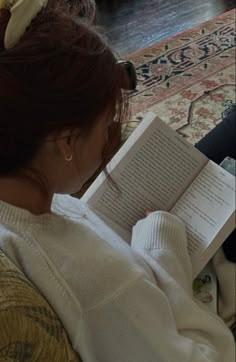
{"points": [[160, 230]]}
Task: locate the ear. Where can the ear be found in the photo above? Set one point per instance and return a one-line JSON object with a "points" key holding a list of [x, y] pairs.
{"points": [[65, 141]]}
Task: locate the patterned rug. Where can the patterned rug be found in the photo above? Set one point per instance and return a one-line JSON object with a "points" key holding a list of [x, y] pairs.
{"points": [[188, 80]]}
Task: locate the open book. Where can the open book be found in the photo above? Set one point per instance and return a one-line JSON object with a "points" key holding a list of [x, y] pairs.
{"points": [[156, 169]]}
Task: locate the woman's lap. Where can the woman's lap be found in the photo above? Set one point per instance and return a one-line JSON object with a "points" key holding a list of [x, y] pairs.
{"points": [[220, 142]]}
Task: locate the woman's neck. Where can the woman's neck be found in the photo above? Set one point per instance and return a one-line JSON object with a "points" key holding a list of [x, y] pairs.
{"points": [[26, 194]]}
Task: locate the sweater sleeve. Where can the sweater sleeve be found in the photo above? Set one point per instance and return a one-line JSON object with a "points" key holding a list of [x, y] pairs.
{"points": [[161, 240]]}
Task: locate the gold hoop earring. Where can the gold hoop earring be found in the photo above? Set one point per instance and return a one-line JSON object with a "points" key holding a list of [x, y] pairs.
{"points": [[69, 159]]}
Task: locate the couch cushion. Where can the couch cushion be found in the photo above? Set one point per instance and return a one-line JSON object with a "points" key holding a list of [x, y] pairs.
{"points": [[29, 328]]}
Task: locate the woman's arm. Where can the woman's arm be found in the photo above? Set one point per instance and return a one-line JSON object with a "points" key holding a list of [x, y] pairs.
{"points": [[161, 240], [154, 317]]}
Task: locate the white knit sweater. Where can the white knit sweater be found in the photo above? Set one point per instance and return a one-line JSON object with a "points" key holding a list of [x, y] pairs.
{"points": [[120, 304]]}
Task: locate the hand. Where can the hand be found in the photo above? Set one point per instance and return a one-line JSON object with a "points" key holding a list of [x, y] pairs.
{"points": [[148, 212]]}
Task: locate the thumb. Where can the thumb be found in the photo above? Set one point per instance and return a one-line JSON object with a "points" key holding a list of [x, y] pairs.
{"points": [[148, 212]]}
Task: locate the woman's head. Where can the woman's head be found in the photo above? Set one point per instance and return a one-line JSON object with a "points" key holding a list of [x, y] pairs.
{"points": [[60, 90]]}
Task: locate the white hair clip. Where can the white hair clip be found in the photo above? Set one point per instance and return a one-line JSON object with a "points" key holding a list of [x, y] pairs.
{"points": [[22, 14]]}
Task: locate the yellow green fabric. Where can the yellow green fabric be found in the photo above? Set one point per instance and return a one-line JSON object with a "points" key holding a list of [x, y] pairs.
{"points": [[29, 328]]}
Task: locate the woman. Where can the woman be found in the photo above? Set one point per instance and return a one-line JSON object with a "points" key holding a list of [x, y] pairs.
{"points": [[61, 93]]}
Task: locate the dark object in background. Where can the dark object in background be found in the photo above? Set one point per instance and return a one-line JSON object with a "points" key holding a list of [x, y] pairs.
{"points": [[130, 68], [224, 136]]}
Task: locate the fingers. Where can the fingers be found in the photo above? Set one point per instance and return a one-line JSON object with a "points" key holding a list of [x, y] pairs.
{"points": [[148, 212]]}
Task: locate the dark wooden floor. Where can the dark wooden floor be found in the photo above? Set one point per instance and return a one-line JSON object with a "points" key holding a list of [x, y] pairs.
{"points": [[131, 25]]}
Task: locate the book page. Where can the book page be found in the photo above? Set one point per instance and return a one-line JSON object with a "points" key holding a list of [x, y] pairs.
{"points": [[152, 169], [208, 210]]}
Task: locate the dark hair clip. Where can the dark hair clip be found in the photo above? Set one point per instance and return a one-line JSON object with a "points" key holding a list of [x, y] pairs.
{"points": [[130, 68]]}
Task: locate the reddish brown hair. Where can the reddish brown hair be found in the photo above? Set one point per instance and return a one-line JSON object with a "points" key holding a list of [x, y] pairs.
{"points": [[60, 75]]}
